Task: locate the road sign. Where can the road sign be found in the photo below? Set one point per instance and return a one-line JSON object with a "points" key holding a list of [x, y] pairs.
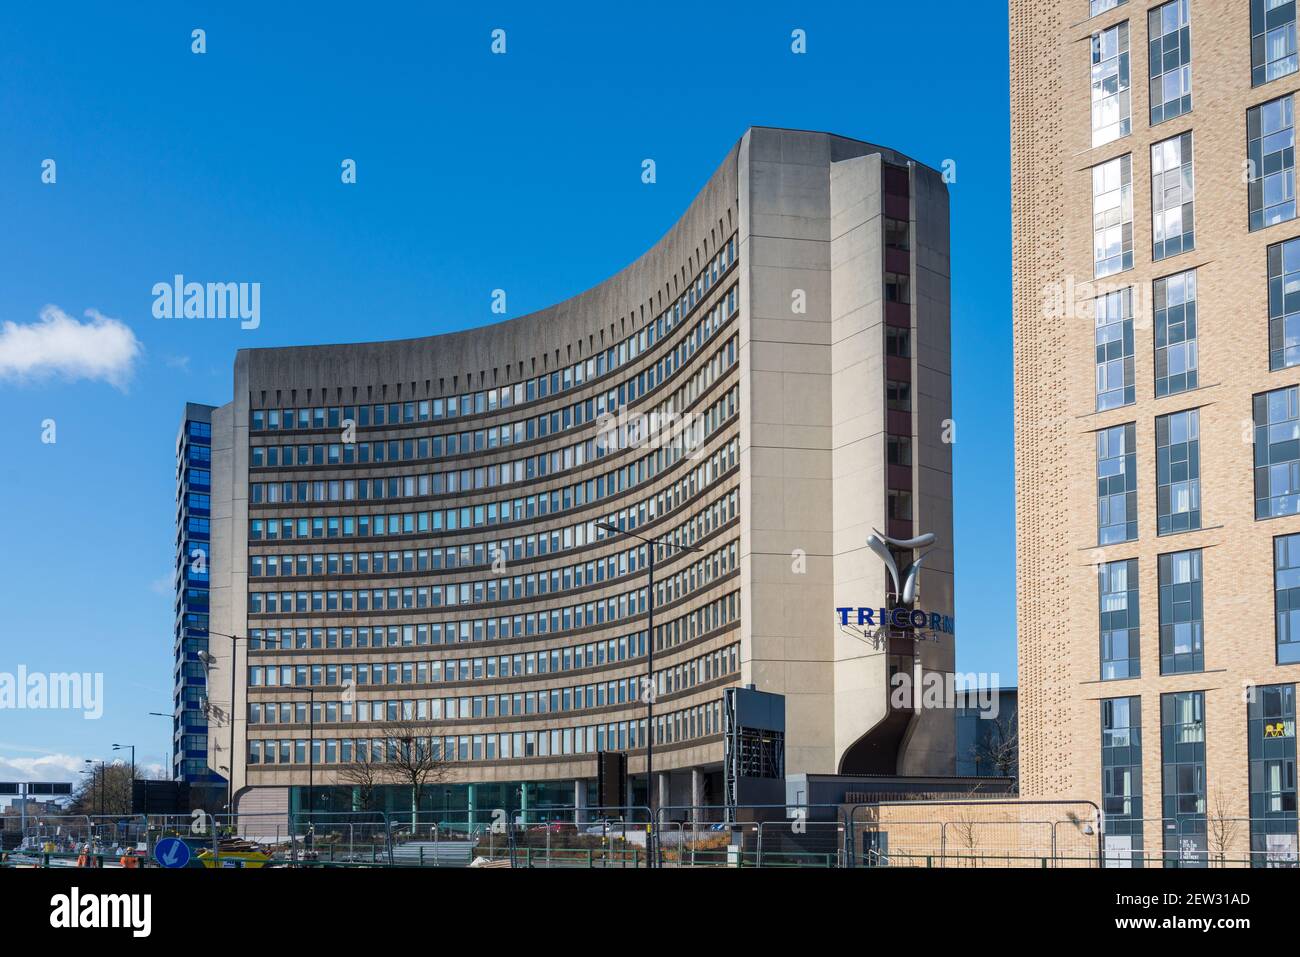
{"points": [[172, 852]]}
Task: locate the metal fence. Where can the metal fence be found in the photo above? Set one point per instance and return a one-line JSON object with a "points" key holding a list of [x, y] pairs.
{"points": [[963, 834]]}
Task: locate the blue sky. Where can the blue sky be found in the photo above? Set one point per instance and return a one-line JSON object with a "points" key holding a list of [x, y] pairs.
{"points": [[475, 172]]}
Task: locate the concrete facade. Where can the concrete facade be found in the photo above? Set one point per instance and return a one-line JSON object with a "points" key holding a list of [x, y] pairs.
{"points": [[787, 476]]}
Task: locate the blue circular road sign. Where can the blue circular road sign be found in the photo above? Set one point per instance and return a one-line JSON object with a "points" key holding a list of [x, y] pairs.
{"points": [[172, 852]]}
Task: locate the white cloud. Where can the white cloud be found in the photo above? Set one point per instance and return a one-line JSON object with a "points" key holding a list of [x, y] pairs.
{"points": [[178, 362], [164, 584], [58, 345], [47, 767]]}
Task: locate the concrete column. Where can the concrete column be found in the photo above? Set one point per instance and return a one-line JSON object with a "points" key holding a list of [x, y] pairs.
{"points": [[579, 802], [469, 804], [697, 795], [523, 802], [665, 792]]}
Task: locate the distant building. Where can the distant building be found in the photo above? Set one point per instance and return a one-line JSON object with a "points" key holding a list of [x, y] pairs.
{"points": [[988, 744], [190, 634]]}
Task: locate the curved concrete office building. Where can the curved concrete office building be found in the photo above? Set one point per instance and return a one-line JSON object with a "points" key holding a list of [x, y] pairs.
{"points": [[408, 532]]}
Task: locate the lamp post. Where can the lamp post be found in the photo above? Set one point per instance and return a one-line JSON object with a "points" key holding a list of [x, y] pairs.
{"points": [[234, 657], [652, 547], [169, 754], [131, 793], [101, 782]]}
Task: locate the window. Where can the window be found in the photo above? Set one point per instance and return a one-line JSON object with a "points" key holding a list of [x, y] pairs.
{"points": [[1175, 325], [1111, 116], [1112, 216], [1270, 149], [1284, 304], [1271, 737], [1286, 597], [897, 234], [1182, 745], [898, 395], [897, 287], [1101, 6], [1182, 626], [1169, 57], [1116, 484], [898, 449], [1277, 452], [1272, 40], [900, 505], [1118, 601], [1172, 191], [1121, 780], [1114, 346], [898, 342], [1178, 472]]}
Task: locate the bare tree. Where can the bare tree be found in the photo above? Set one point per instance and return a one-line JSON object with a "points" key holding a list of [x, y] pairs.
{"points": [[364, 775], [967, 835], [104, 789], [1000, 748], [410, 759], [1221, 828]]}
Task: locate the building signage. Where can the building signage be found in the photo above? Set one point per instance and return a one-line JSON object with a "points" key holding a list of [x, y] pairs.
{"points": [[903, 618]]}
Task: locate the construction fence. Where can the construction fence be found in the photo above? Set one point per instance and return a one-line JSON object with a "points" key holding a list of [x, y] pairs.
{"points": [[881, 834]]}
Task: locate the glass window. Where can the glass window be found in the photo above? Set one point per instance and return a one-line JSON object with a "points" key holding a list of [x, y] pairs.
{"points": [[1116, 484], [1176, 355], [1111, 114], [1182, 613], [1271, 736], [1112, 216], [1178, 472], [1286, 597], [1182, 745], [1101, 6], [1169, 57], [1118, 601], [1284, 304], [1270, 149], [1277, 452], [1121, 776], [1272, 40], [1114, 346], [1172, 193]]}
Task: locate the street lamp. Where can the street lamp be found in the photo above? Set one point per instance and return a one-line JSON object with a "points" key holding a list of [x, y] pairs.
{"points": [[207, 660], [102, 782], [121, 747], [652, 547]]}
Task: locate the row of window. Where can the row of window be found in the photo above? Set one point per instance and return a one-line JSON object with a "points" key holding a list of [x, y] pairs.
{"points": [[657, 428], [1182, 611], [601, 410], [593, 654], [1276, 436], [1187, 841], [490, 400], [1178, 477], [1174, 304], [499, 554], [684, 725], [1169, 61], [696, 575], [581, 697], [699, 525], [608, 485], [1173, 196], [709, 617]]}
